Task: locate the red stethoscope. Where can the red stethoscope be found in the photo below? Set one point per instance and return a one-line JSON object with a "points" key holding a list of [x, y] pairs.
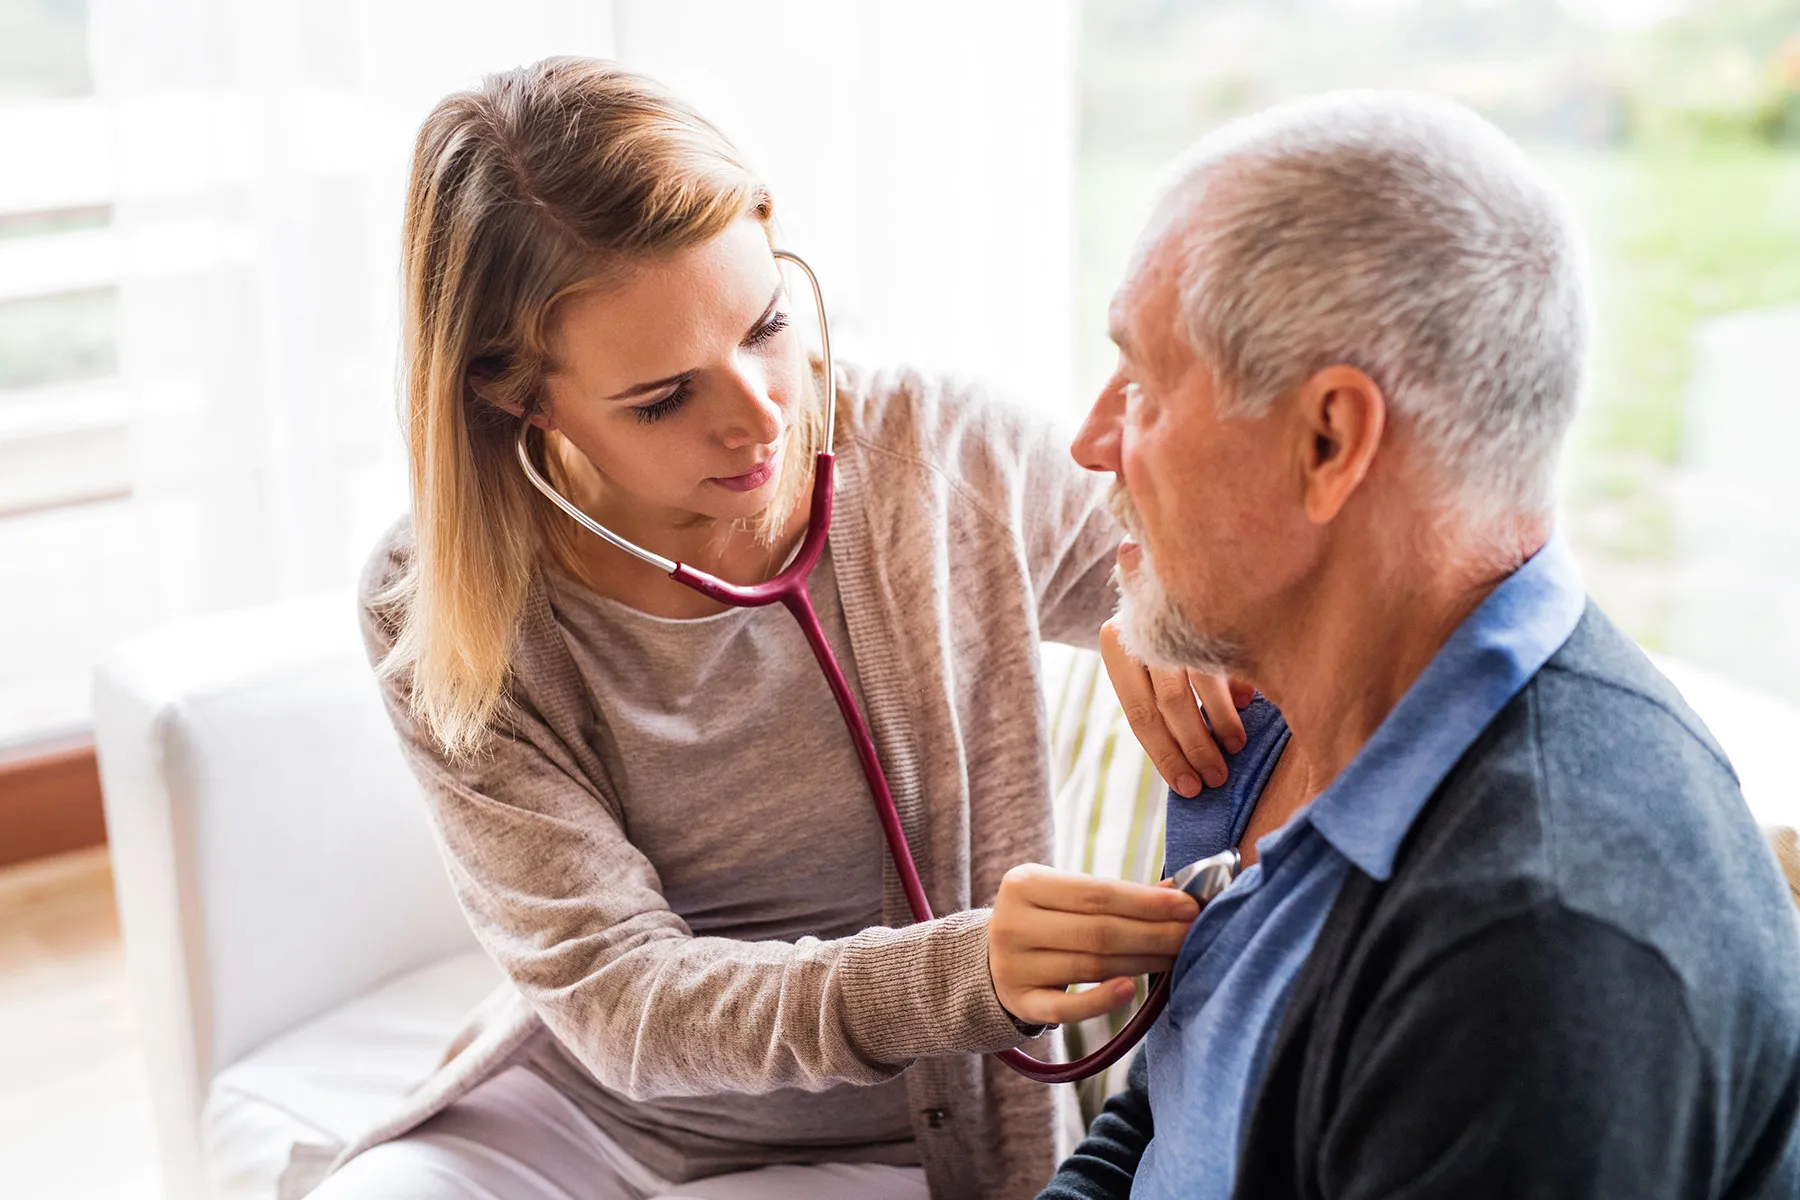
{"points": [[1203, 879]]}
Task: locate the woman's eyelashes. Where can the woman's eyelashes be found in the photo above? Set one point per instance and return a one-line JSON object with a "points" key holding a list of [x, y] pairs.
{"points": [[657, 410], [768, 329]]}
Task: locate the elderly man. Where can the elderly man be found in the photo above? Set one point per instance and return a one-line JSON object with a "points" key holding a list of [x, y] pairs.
{"points": [[1506, 927]]}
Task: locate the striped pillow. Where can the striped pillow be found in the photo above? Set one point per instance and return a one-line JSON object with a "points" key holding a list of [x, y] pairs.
{"points": [[1109, 810]]}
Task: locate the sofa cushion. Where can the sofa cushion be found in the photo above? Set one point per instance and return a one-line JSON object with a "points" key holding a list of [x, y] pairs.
{"points": [[330, 1077]]}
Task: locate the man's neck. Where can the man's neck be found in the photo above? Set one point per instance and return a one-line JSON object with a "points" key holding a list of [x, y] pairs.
{"points": [[1357, 642]]}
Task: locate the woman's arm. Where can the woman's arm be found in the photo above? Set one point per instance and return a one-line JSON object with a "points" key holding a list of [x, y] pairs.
{"points": [[1070, 539], [575, 916]]}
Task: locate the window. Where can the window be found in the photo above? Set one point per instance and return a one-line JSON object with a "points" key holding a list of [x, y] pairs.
{"points": [[63, 436]]}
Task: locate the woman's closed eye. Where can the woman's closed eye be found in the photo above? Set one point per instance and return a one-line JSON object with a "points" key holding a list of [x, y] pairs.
{"points": [[775, 324], [656, 410]]}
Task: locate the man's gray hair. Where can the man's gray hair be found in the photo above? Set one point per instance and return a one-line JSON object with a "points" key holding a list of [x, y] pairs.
{"points": [[1404, 236]]}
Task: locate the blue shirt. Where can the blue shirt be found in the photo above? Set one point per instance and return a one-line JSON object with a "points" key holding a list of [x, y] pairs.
{"points": [[1231, 981]]}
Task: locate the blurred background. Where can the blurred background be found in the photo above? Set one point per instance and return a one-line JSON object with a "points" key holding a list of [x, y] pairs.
{"points": [[199, 205], [199, 213], [1675, 129]]}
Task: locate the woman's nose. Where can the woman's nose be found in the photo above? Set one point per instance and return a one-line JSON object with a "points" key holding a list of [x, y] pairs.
{"points": [[756, 419]]}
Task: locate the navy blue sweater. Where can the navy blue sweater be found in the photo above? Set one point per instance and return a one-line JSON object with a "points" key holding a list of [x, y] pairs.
{"points": [[1583, 979]]}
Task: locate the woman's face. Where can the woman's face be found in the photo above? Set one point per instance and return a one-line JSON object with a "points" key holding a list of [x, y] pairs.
{"points": [[681, 381]]}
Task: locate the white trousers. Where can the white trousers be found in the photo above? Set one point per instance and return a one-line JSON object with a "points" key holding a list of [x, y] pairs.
{"points": [[515, 1137]]}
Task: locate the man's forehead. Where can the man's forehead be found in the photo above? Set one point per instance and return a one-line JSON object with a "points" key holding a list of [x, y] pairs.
{"points": [[1142, 314]]}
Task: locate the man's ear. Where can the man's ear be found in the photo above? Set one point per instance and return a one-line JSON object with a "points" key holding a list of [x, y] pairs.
{"points": [[482, 384], [1343, 413]]}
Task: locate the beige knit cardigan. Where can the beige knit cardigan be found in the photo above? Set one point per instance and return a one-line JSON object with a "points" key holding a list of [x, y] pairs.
{"points": [[963, 534]]}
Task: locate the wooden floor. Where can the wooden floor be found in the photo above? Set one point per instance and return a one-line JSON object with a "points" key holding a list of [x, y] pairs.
{"points": [[74, 1114]]}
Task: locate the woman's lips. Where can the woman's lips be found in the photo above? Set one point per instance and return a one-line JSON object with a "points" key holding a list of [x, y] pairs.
{"points": [[1129, 553], [752, 479]]}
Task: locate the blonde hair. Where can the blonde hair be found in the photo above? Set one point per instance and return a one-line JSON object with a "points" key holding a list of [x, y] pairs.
{"points": [[541, 183]]}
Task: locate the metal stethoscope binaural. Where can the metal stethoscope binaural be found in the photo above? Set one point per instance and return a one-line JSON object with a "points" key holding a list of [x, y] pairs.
{"points": [[1203, 879]]}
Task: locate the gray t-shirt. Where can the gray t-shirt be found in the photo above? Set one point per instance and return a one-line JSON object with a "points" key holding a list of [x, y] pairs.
{"points": [[690, 709]]}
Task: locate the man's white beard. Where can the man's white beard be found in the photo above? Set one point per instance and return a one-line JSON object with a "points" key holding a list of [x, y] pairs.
{"points": [[1156, 634], [1150, 622]]}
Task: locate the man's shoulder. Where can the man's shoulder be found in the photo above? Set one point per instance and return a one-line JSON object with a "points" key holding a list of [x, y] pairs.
{"points": [[1598, 793], [1584, 954], [1644, 822]]}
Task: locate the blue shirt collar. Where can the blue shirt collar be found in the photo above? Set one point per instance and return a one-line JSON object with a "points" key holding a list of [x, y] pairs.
{"points": [[1367, 810]]}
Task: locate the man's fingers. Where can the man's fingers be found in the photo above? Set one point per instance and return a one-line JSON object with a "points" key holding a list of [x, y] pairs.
{"points": [[1242, 693], [1180, 710], [1221, 709], [1137, 699]]}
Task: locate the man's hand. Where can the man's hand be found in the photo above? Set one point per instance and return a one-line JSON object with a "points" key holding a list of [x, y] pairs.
{"points": [[1052, 928], [1164, 708]]}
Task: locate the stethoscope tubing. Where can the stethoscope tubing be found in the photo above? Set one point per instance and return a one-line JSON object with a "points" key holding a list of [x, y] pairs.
{"points": [[788, 588]]}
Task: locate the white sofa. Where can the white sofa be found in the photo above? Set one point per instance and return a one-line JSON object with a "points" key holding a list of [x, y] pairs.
{"points": [[294, 951], [295, 954]]}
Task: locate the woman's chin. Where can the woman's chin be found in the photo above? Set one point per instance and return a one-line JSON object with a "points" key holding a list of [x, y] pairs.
{"points": [[720, 504]]}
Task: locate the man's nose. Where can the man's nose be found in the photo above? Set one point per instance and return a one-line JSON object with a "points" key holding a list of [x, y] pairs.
{"points": [[1096, 444], [756, 418]]}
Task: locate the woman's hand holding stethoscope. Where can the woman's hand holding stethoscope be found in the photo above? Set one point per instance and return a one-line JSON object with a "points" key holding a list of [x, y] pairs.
{"points": [[1049, 927]]}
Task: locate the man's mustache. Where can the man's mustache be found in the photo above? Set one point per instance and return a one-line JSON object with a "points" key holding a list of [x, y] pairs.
{"points": [[1118, 503]]}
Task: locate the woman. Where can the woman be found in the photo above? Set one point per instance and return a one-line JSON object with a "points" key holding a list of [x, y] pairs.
{"points": [[651, 812]]}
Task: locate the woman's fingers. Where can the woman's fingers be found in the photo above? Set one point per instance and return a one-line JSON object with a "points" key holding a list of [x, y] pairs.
{"points": [[1095, 937], [1056, 971], [1035, 887], [1051, 928], [1180, 709], [1043, 1006], [1131, 682], [1220, 703]]}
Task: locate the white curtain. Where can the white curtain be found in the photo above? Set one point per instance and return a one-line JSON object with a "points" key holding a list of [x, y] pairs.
{"points": [[922, 156], [923, 160]]}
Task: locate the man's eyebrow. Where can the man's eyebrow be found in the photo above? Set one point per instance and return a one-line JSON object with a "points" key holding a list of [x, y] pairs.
{"points": [[656, 385]]}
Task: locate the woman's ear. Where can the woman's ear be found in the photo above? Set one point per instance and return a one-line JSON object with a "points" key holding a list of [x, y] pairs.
{"points": [[482, 385]]}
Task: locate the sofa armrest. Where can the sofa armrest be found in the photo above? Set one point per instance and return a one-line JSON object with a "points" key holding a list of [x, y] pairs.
{"points": [[270, 851]]}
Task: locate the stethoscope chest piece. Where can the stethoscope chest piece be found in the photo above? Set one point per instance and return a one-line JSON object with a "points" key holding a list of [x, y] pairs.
{"points": [[1206, 877]]}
